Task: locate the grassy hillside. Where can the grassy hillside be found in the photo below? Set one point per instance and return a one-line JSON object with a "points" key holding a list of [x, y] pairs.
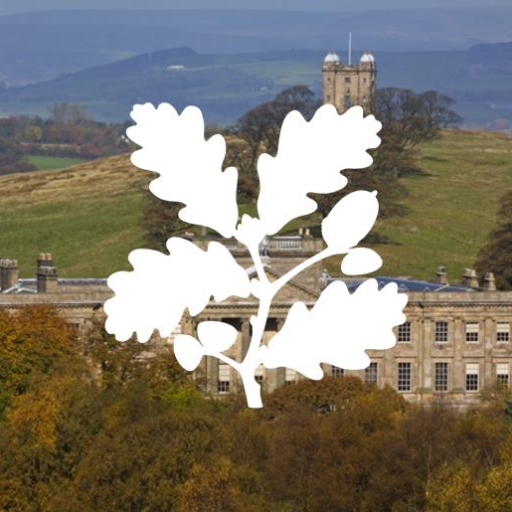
{"points": [[452, 207], [89, 215]]}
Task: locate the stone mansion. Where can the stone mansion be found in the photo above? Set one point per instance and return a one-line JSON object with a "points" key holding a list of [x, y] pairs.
{"points": [[455, 343]]}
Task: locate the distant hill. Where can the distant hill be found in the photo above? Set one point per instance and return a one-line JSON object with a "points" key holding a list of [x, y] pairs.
{"points": [[226, 85], [39, 46], [89, 216], [497, 57]]}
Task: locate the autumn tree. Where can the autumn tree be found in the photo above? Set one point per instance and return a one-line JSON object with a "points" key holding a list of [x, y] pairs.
{"points": [[33, 341], [12, 158], [495, 256]]}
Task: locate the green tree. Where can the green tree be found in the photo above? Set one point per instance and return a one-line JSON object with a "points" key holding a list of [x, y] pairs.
{"points": [[408, 119], [495, 256]]}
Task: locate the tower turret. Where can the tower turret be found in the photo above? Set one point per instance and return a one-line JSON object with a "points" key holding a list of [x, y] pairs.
{"points": [[345, 85]]}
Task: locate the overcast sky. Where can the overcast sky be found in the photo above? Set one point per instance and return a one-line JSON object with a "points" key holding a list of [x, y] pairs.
{"points": [[17, 6]]}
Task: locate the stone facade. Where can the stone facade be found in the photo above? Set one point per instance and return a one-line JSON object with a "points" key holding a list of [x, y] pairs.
{"points": [[345, 85], [457, 340], [79, 301]]}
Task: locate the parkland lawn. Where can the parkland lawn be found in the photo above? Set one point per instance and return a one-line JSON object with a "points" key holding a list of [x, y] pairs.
{"points": [[48, 163], [89, 215]]}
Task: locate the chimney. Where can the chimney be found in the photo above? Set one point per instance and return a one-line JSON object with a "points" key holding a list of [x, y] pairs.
{"points": [[489, 282], [470, 279], [9, 274], [47, 275], [442, 276]]}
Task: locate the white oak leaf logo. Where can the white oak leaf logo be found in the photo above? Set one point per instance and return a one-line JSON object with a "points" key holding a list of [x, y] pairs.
{"points": [[350, 220], [190, 168], [309, 160], [338, 329], [155, 294], [214, 337]]}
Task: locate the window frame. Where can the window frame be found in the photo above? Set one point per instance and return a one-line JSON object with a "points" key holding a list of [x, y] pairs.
{"points": [[223, 378], [371, 373], [472, 335], [468, 374], [505, 332], [439, 333], [337, 372], [406, 326], [503, 372], [400, 385], [441, 379]]}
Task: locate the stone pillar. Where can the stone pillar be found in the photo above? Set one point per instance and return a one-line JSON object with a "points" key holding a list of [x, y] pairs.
{"points": [[246, 336], [470, 279], [212, 375], [488, 336], [9, 274], [442, 276], [388, 368], [47, 274], [425, 379], [281, 372], [489, 282], [459, 367]]}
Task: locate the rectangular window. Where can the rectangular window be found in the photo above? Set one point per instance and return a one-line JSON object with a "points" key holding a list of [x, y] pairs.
{"points": [[472, 377], [502, 374], [336, 371], [441, 332], [441, 377], [404, 333], [364, 80], [347, 80], [404, 377], [224, 378], [371, 373], [328, 98], [472, 332], [348, 101], [503, 332]]}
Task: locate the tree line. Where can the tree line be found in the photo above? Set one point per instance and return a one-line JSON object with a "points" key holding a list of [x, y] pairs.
{"points": [[408, 119], [68, 132], [98, 425]]}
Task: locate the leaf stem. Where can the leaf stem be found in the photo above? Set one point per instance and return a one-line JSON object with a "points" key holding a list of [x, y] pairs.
{"points": [[254, 251]]}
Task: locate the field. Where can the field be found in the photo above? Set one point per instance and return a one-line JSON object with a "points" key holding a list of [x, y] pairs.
{"points": [[452, 208], [48, 163], [89, 215]]}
